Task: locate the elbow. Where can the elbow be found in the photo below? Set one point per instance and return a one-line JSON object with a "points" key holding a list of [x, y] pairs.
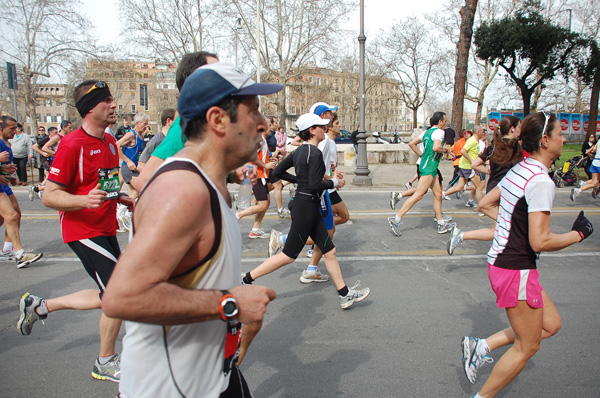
{"points": [[537, 246], [110, 306]]}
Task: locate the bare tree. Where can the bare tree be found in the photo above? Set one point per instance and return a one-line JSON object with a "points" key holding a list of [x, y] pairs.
{"points": [[43, 37], [166, 29], [412, 57], [292, 33]]}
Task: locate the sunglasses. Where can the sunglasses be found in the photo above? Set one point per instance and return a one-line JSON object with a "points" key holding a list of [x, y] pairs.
{"points": [[100, 84], [547, 115]]}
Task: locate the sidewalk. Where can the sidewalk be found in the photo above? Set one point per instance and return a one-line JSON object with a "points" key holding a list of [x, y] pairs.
{"points": [[387, 176]]}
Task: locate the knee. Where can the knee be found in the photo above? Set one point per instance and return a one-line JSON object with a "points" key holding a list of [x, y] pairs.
{"points": [[263, 205], [11, 217], [551, 328], [344, 217], [330, 255], [528, 350]]}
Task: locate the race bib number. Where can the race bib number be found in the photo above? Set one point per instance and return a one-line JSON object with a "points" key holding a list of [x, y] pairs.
{"points": [[109, 182]]}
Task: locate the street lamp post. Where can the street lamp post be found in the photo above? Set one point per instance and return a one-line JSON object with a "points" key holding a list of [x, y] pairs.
{"points": [[362, 164], [238, 27]]}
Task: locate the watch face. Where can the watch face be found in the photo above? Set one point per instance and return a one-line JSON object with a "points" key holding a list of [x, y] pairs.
{"points": [[230, 308]]}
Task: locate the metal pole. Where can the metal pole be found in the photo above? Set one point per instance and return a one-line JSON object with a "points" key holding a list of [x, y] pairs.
{"points": [[15, 102], [362, 164]]}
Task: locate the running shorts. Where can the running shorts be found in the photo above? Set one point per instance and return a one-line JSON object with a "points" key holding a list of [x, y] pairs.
{"points": [[6, 189], [306, 221], [261, 190], [98, 256], [237, 388], [335, 198], [439, 174], [594, 169], [466, 173], [128, 174], [513, 285], [326, 212]]}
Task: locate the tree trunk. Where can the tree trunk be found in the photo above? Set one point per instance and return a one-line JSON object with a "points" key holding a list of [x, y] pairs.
{"points": [[594, 106], [467, 14], [415, 118]]}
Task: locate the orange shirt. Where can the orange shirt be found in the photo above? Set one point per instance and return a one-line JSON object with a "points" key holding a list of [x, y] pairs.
{"points": [[457, 147]]}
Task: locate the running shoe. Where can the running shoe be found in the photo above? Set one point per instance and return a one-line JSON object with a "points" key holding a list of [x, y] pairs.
{"points": [[395, 225], [408, 186], [235, 201], [258, 234], [27, 307], [456, 238], [284, 213], [445, 227], [444, 217], [394, 198], [459, 193], [354, 295], [581, 183], [275, 243], [446, 197], [8, 254], [111, 370], [310, 277], [575, 193], [480, 214], [31, 192], [310, 251], [28, 258], [472, 360], [595, 192], [470, 203]]}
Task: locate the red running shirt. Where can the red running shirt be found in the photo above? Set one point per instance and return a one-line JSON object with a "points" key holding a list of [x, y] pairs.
{"points": [[76, 167]]}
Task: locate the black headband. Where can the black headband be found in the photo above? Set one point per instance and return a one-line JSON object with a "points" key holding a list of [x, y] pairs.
{"points": [[91, 99]]}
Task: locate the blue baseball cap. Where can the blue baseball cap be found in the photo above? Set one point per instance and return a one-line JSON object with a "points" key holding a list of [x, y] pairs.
{"points": [[212, 83], [320, 108]]}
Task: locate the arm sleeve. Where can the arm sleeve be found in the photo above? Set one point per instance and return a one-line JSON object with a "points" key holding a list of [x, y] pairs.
{"points": [[316, 183], [281, 170]]}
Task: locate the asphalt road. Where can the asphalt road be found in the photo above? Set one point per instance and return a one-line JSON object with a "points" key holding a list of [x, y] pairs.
{"points": [[402, 341]]}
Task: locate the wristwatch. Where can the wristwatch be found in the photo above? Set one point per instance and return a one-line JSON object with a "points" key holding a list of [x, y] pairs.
{"points": [[228, 307]]}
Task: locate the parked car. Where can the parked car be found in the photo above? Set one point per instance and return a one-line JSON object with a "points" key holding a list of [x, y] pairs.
{"points": [[344, 137]]}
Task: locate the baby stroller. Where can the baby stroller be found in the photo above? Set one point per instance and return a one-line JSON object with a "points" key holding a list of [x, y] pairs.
{"points": [[568, 174]]}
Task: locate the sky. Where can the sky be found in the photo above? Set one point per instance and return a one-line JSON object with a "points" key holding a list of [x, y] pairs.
{"points": [[378, 14]]}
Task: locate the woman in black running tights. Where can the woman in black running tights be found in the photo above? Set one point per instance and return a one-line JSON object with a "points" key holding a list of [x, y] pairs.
{"points": [[306, 219]]}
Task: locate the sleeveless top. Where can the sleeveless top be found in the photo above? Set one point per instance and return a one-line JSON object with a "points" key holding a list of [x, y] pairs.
{"points": [[187, 360], [133, 152]]}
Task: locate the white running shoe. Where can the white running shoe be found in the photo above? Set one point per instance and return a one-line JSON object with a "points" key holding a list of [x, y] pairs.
{"points": [[408, 186], [472, 360], [275, 243], [470, 203], [395, 225], [310, 277], [445, 227], [444, 217], [258, 234], [574, 193], [354, 295], [456, 238], [394, 198]]}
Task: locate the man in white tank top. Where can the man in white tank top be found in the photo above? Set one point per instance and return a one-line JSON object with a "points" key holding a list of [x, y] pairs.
{"points": [[184, 303]]}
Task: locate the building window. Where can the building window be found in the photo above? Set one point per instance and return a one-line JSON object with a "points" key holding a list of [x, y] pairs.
{"points": [[310, 79], [294, 110], [318, 81], [145, 75], [48, 118], [59, 118], [38, 117], [132, 86], [120, 108], [133, 108], [165, 86]]}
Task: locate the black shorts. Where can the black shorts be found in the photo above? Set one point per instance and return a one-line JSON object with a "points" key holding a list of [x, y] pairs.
{"points": [[335, 198], [128, 174], [98, 256], [306, 221], [238, 388], [261, 190]]}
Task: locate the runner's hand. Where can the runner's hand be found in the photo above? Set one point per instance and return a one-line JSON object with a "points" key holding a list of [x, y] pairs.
{"points": [[583, 226], [95, 198], [4, 156], [4, 180], [9, 168], [252, 301], [131, 166]]}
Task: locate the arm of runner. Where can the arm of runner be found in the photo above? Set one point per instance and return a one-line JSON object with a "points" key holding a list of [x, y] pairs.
{"points": [[48, 145], [542, 239], [36, 148], [297, 141], [56, 197], [438, 147], [478, 165], [489, 204], [122, 142], [414, 145], [139, 288], [281, 170], [466, 155]]}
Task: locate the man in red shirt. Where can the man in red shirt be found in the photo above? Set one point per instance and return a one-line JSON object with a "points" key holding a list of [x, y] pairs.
{"points": [[83, 185]]}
